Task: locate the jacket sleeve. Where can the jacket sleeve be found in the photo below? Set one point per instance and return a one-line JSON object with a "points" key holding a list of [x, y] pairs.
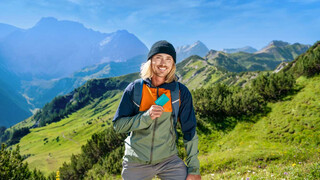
{"points": [[126, 118], [188, 126]]}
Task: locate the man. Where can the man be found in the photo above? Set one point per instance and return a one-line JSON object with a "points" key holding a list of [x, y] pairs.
{"points": [[150, 149]]}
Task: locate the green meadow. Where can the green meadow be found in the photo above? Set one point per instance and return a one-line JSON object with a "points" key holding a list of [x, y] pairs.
{"points": [[49, 146], [282, 143]]}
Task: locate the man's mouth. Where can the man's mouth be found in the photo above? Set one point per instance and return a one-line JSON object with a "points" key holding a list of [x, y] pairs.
{"points": [[162, 68]]}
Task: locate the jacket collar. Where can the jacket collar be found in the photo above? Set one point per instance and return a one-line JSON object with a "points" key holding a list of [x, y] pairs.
{"points": [[170, 86]]}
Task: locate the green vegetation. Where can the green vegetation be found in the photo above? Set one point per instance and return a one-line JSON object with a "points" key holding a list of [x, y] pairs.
{"points": [[273, 86], [264, 128], [61, 106], [12, 166], [282, 143], [196, 72], [105, 147], [224, 61], [306, 64]]}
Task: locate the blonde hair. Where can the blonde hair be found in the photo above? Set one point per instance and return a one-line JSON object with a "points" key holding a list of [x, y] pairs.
{"points": [[146, 72]]}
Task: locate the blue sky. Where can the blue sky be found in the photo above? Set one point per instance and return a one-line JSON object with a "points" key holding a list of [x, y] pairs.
{"points": [[218, 24]]}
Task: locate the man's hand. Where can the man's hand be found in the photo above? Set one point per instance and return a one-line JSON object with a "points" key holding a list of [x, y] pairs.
{"points": [[155, 111], [193, 177]]}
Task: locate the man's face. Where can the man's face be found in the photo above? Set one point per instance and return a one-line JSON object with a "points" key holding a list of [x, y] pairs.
{"points": [[161, 64]]}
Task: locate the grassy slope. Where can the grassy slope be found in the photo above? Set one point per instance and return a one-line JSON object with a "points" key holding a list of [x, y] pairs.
{"points": [[196, 72], [72, 132], [244, 148], [281, 144]]}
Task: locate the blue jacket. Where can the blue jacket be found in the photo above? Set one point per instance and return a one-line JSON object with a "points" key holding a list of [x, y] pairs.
{"points": [[152, 141]]}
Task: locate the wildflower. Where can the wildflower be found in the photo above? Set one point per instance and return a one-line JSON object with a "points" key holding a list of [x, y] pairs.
{"points": [[249, 171], [247, 178], [300, 162], [285, 173], [238, 173], [253, 172], [272, 175], [294, 164], [212, 174]]}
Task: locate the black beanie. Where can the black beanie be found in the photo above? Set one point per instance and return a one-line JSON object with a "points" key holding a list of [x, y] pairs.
{"points": [[162, 47]]}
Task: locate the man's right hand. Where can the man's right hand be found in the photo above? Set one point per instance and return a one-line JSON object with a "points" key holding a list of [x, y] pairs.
{"points": [[155, 111]]}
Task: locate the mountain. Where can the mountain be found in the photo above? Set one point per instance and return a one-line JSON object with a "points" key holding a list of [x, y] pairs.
{"points": [[246, 49], [42, 91], [282, 51], [272, 45], [39, 63], [57, 48], [6, 29], [269, 57], [198, 48], [222, 60], [13, 106], [196, 72]]}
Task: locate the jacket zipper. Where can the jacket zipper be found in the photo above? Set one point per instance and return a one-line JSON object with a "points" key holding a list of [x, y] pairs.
{"points": [[154, 130]]}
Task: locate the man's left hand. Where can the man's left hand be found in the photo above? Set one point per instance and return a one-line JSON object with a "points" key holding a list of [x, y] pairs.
{"points": [[193, 177]]}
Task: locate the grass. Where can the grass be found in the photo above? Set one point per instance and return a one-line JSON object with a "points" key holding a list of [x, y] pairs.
{"points": [[49, 146], [299, 170], [282, 144]]}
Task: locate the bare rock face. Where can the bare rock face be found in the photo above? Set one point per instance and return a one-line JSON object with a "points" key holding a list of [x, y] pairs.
{"points": [[280, 66]]}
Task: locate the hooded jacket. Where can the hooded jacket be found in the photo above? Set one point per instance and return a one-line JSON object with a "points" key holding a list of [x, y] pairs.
{"points": [[152, 141]]}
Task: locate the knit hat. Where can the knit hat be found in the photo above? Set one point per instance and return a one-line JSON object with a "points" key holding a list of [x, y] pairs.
{"points": [[162, 47]]}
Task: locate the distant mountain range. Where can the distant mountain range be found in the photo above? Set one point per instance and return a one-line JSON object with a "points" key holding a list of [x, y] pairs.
{"points": [[246, 49], [55, 49], [39, 63], [267, 58], [42, 91]]}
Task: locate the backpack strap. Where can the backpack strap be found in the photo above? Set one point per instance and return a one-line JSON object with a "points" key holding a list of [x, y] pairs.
{"points": [[137, 93], [175, 97]]}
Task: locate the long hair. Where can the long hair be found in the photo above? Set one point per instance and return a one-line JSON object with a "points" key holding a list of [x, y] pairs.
{"points": [[146, 72]]}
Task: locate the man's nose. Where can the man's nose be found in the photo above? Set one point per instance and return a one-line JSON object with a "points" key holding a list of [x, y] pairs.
{"points": [[162, 62]]}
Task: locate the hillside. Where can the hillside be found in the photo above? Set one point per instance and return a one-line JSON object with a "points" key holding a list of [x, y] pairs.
{"points": [[267, 146], [47, 147], [196, 72], [267, 58], [57, 141], [281, 141], [41, 92]]}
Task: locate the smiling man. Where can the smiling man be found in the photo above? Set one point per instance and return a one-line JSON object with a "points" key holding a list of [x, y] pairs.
{"points": [[150, 148]]}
